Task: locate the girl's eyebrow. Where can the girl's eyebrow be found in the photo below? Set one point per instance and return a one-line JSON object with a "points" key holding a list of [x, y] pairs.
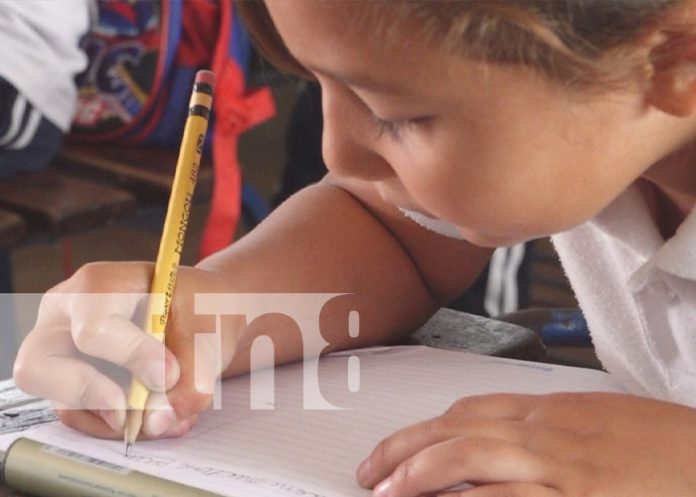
{"points": [[362, 81]]}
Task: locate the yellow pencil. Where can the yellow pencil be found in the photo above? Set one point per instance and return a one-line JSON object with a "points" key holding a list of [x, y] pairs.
{"points": [[173, 235]]}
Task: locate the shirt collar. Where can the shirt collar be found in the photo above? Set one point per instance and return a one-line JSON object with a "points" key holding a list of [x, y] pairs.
{"points": [[677, 256], [628, 220]]}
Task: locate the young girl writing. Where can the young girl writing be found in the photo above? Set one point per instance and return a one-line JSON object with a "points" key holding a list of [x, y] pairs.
{"points": [[451, 128]]}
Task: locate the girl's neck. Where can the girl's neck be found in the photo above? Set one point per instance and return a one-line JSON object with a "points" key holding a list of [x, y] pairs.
{"points": [[670, 187]]}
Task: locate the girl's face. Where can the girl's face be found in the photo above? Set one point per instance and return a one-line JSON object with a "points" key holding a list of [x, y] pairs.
{"points": [[495, 150]]}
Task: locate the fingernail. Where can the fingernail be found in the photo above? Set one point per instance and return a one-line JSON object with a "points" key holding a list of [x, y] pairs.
{"points": [[114, 418], [155, 376], [178, 429], [171, 372], [383, 489], [160, 421], [364, 470]]}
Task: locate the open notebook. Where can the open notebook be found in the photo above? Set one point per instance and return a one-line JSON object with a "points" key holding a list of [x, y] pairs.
{"points": [[289, 451]]}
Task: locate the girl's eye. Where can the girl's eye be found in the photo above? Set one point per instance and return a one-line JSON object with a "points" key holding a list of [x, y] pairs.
{"points": [[396, 128]]}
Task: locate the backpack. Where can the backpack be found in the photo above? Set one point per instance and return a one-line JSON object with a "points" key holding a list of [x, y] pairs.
{"points": [[143, 57]]}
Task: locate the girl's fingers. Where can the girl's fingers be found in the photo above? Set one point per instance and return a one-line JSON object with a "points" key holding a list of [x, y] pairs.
{"points": [[87, 388], [496, 406], [89, 423], [94, 424], [459, 460], [164, 420], [495, 416], [71, 326], [44, 364], [117, 340], [101, 326], [86, 341], [506, 490], [181, 428], [407, 442]]}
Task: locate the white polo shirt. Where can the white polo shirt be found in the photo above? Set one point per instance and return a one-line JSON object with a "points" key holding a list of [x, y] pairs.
{"points": [[637, 291], [39, 52], [638, 294]]}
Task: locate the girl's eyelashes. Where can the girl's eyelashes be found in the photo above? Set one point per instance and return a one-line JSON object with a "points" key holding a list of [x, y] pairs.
{"points": [[394, 128]]}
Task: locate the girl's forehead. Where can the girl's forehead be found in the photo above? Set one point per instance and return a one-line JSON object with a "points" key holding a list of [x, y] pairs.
{"points": [[350, 41], [354, 22]]}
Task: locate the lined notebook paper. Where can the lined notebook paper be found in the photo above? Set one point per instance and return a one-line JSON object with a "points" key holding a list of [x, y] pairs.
{"points": [[289, 451]]}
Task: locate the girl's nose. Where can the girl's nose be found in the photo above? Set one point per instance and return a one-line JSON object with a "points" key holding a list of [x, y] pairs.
{"points": [[347, 136]]}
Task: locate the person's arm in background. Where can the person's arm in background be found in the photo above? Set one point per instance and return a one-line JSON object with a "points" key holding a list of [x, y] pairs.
{"points": [[333, 237]]}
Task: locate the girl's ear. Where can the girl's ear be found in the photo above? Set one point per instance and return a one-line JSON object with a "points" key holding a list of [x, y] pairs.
{"points": [[672, 83]]}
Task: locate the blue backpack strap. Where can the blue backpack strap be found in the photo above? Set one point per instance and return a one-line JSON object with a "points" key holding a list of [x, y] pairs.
{"points": [[162, 94], [239, 47]]}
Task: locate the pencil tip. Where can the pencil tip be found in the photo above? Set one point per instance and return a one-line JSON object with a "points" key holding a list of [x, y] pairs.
{"points": [[128, 449]]}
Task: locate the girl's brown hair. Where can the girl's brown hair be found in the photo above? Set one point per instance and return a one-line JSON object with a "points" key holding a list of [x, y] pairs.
{"points": [[567, 40]]}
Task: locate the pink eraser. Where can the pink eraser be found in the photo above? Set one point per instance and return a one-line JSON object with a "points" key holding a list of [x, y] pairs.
{"points": [[206, 77]]}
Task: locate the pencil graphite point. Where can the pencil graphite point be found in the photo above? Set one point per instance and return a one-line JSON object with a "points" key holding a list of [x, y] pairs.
{"points": [[134, 421]]}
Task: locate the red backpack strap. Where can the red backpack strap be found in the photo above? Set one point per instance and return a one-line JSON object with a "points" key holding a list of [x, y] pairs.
{"points": [[235, 111]]}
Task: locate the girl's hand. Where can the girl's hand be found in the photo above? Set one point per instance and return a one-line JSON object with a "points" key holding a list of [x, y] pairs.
{"points": [[84, 324], [571, 445]]}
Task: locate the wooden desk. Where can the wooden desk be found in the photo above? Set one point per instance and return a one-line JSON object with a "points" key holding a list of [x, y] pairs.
{"points": [[93, 185], [86, 187], [55, 204], [12, 229], [147, 172], [448, 329], [59, 204], [89, 186]]}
